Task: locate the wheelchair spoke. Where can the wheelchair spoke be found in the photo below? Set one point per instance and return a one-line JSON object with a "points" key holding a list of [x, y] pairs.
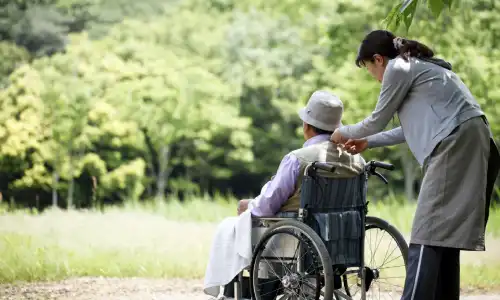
{"points": [[371, 249], [272, 268], [285, 297], [385, 268], [399, 266], [281, 261], [380, 267], [268, 293], [376, 248], [297, 277], [386, 257], [310, 286]]}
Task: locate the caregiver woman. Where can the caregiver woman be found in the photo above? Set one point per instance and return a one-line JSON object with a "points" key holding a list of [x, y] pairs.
{"points": [[449, 135]]}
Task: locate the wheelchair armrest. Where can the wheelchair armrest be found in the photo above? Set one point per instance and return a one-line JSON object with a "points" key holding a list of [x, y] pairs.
{"points": [[271, 219], [267, 221]]}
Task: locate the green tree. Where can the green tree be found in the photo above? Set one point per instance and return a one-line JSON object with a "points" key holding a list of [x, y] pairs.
{"points": [[23, 153], [200, 96], [173, 100], [13, 56]]}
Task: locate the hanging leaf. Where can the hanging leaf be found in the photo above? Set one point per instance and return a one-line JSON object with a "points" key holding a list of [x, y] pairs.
{"points": [[406, 4], [405, 11], [409, 13], [436, 6], [393, 19]]}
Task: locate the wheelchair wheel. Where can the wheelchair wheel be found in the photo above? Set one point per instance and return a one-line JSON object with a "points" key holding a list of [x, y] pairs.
{"points": [[386, 271], [291, 262]]}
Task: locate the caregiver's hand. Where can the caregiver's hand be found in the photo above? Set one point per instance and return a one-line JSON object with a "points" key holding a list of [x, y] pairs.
{"points": [[337, 138], [356, 146]]}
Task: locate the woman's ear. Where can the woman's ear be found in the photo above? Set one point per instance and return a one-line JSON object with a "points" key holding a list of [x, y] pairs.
{"points": [[378, 60]]}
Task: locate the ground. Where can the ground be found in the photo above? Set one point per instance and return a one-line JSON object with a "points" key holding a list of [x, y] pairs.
{"points": [[127, 289]]}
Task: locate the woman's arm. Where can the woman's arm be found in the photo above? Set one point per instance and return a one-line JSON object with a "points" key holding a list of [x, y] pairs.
{"points": [[386, 138], [395, 86]]}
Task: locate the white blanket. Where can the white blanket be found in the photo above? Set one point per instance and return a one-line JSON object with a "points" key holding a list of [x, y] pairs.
{"points": [[231, 252]]}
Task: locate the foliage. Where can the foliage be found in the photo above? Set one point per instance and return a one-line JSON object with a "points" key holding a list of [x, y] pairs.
{"points": [[406, 10], [115, 100], [12, 57], [41, 26]]}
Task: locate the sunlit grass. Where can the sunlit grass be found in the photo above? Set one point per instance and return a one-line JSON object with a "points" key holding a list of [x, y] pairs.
{"points": [[196, 209], [164, 240], [58, 244]]}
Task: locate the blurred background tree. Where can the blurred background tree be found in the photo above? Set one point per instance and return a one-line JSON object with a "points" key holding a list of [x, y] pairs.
{"points": [[109, 101]]}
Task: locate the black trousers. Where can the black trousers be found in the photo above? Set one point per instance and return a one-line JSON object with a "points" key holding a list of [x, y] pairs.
{"points": [[433, 273]]}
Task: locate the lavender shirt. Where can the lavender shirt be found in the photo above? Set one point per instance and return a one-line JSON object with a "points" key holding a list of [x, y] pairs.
{"points": [[281, 187]]}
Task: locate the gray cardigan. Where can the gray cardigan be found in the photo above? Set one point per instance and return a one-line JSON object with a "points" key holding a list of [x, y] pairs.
{"points": [[430, 100]]}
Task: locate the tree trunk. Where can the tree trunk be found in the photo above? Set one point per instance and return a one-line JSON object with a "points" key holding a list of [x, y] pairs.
{"points": [[55, 182], [71, 189], [12, 203], [150, 186], [152, 157], [161, 179]]}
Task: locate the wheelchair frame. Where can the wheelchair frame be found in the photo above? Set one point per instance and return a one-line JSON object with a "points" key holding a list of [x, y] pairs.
{"points": [[370, 169]]}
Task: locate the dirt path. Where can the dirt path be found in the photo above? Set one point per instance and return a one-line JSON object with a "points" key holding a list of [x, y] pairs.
{"points": [[123, 289]]}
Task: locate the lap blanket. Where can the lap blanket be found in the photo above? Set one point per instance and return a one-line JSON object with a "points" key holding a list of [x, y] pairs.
{"points": [[231, 252]]}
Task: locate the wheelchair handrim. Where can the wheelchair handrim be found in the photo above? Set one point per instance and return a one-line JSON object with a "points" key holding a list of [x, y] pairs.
{"points": [[284, 227]]}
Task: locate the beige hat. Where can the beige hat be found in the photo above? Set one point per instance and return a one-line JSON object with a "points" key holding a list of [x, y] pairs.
{"points": [[323, 111]]}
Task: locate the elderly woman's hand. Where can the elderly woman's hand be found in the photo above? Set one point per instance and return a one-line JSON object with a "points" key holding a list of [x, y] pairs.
{"points": [[242, 206]]}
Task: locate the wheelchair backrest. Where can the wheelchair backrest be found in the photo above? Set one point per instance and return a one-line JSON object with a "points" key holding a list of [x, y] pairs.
{"points": [[333, 194], [335, 209]]}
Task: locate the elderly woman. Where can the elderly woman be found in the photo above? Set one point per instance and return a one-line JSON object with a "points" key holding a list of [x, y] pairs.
{"points": [[231, 251]]}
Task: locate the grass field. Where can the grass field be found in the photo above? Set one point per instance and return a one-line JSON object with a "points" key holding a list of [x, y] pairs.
{"points": [[167, 240]]}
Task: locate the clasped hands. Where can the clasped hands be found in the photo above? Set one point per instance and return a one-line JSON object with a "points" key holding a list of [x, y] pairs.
{"points": [[350, 145]]}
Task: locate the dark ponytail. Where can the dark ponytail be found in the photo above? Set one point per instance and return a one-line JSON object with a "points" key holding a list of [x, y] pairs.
{"points": [[385, 43]]}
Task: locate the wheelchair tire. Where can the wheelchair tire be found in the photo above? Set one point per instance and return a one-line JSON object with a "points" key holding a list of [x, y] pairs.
{"points": [[377, 223], [285, 227]]}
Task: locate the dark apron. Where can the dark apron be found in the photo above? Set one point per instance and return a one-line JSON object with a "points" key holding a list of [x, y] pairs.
{"points": [[493, 169]]}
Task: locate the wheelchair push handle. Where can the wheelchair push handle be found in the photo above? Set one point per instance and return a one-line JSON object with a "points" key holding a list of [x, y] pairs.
{"points": [[323, 166], [383, 165], [373, 165]]}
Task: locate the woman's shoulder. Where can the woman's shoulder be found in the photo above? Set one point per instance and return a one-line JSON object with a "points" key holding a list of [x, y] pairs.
{"points": [[398, 68], [400, 64]]}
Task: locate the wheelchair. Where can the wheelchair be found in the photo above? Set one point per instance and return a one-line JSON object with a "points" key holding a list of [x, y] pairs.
{"points": [[320, 252]]}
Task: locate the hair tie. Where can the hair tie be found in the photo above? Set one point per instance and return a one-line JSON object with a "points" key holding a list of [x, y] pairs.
{"points": [[398, 43]]}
